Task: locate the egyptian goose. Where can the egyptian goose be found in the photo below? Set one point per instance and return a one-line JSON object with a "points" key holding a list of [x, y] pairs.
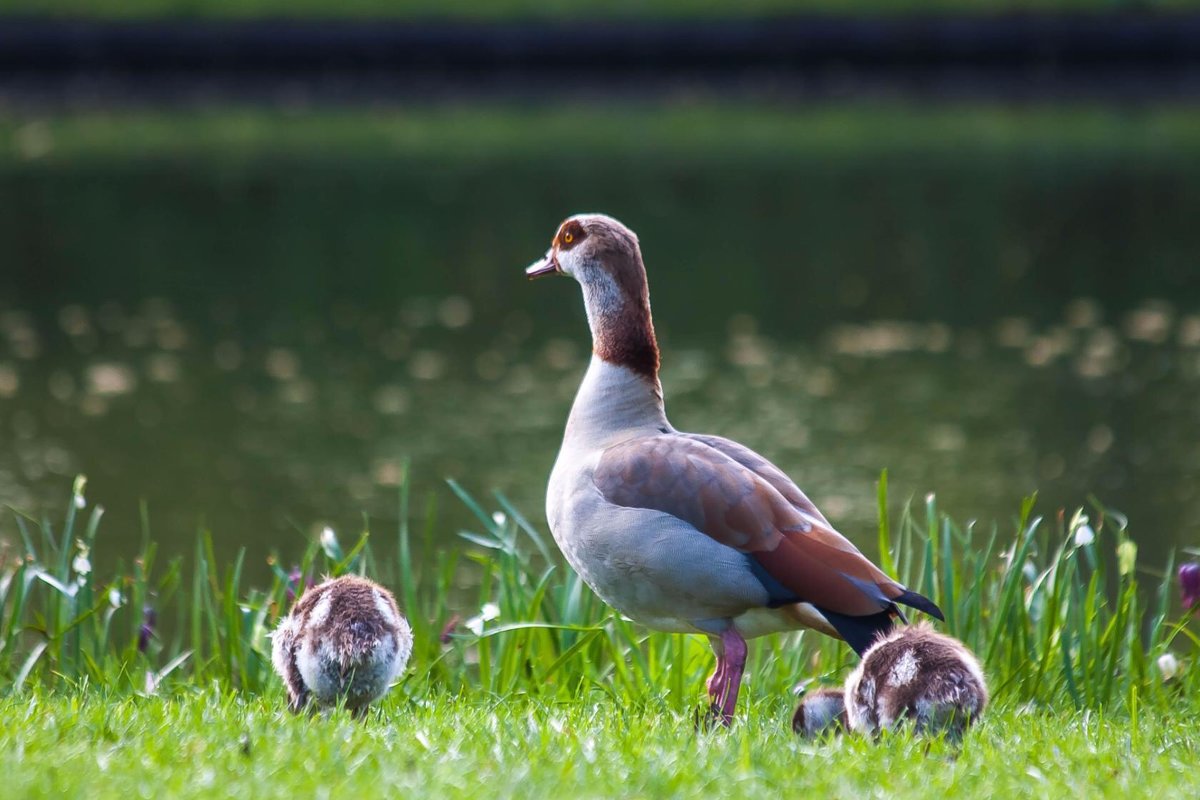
{"points": [[912, 674], [344, 640], [680, 531]]}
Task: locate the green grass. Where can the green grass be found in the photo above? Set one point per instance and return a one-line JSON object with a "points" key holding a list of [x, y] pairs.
{"points": [[204, 743], [552, 9], [1059, 618], [557, 695]]}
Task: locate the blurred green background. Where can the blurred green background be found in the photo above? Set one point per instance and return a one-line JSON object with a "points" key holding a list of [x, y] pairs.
{"points": [[251, 315], [250, 319]]}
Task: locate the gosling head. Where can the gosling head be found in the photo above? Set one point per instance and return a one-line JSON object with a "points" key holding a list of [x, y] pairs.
{"points": [[819, 713], [344, 641], [915, 673]]}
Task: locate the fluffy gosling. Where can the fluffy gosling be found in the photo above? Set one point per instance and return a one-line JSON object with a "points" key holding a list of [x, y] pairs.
{"points": [[344, 640], [913, 673], [820, 711], [919, 674]]}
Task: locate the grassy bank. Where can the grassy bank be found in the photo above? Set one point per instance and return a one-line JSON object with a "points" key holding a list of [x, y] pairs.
{"points": [[742, 132], [204, 743], [542, 691], [1060, 611]]}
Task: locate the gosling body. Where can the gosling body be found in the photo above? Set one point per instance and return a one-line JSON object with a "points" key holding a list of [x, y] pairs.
{"points": [[821, 712], [915, 673], [344, 641], [912, 674]]}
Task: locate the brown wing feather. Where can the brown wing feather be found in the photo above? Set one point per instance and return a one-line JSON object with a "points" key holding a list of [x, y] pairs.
{"points": [[729, 498], [763, 469]]}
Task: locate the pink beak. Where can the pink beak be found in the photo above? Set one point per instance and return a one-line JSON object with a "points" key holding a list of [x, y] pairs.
{"points": [[546, 265]]}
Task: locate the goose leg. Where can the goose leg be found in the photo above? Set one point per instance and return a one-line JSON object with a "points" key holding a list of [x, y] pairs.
{"points": [[734, 647], [726, 680]]}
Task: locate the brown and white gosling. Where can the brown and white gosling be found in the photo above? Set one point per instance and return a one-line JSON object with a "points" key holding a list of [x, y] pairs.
{"points": [[344, 640], [912, 673], [820, 711]]}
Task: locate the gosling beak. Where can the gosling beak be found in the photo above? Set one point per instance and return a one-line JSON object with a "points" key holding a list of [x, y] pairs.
{"points": [[546, 265]]}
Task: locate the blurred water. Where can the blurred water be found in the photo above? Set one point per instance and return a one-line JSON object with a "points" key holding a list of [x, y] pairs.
{"points": [[254, 343], [265, 439]]}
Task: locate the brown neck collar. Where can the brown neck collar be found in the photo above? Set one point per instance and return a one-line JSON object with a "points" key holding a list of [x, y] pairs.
{"points": [[624, 336]]}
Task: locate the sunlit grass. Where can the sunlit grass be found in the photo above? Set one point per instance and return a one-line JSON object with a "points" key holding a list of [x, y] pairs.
{"points": [[550, 694], [204, 742], [1060, 611]]}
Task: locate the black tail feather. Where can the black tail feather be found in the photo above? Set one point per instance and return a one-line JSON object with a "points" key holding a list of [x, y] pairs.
{"points": [[860, 632], [921, 603]]}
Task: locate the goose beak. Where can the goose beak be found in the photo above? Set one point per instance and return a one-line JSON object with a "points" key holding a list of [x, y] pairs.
{"points": [[546, 265]]}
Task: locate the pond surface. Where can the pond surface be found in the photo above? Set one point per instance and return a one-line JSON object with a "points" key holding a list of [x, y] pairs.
{"points": [[257, 344]]}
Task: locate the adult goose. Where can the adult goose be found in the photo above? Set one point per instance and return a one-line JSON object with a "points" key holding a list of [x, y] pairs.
{"points": [[686, 532]]}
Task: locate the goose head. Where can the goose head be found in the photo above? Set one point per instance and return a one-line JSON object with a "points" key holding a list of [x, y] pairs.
{"points": [[604, 257]]}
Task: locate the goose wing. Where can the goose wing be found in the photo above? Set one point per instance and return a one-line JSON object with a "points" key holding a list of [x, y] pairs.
{"points": [[735, 496]]}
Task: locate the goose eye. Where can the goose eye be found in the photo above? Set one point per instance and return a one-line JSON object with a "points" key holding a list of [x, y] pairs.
{"points": [[568, 237]]}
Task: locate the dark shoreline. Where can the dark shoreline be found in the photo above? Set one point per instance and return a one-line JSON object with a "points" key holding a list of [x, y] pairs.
{"points": [[1035, 57]]}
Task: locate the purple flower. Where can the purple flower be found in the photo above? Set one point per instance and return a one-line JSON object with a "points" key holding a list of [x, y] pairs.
{"points": [[449, 628], [294, 581], [1189, 583], [146, 632]]}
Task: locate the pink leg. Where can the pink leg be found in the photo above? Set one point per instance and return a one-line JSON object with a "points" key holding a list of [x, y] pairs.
{"points": [[726, 682], [735, 665]]}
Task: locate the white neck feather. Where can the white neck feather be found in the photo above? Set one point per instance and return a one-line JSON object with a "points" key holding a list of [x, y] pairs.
{"points": [[602, 300], [614, 402]]}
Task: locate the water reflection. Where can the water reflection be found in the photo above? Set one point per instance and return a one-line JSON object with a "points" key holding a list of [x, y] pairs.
{"points": [[265, 434]]}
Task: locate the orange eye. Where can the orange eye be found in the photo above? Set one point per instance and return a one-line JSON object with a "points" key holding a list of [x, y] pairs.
{"points": [[568, 237]]}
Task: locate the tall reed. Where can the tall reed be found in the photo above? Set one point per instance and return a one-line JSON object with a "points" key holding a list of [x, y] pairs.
{"points": [[1059, 610]]}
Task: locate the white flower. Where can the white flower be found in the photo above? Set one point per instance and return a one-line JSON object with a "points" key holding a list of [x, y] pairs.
{"points": [[80, 501], [114, 597], [81, 565], [1168, 665], [489, 612], [499, 518], [1084, 535], [328, 538]]}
